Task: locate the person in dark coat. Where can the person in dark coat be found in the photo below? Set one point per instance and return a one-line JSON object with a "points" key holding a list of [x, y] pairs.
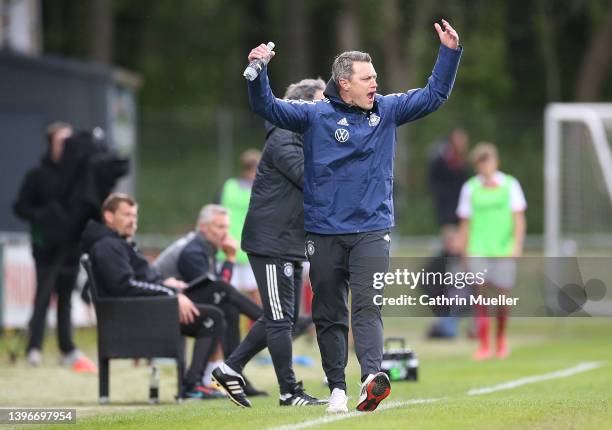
{"points": [[273, 238], [193, 257], [448, 171], [42, 203]]}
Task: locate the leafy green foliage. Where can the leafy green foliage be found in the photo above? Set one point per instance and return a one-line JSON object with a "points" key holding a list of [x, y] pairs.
{"points": [[191, 54]]}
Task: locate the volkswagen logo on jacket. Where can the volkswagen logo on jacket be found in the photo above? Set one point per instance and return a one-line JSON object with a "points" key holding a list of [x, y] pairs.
{"points": [[341, 135]]}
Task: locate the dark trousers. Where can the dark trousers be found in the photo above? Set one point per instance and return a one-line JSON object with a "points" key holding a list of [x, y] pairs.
{"points": [[57, 277], [279, 282], [339, 263], [207, 329], [231, 302]]}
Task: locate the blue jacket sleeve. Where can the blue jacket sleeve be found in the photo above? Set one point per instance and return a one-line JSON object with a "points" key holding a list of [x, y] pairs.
{"points": [[288, 114], [417, 103]]}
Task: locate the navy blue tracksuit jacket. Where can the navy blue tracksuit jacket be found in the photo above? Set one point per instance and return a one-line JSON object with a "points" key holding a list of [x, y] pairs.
{"points": [[349, 152]]}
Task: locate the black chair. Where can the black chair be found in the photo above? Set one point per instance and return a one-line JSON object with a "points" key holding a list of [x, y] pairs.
{"points": [[135, 327]]}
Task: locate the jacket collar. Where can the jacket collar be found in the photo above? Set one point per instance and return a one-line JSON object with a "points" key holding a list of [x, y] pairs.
{"points": [[212, 249], [95, 231], [332, 93]]}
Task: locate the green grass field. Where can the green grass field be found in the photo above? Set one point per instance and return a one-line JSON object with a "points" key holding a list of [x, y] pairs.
{"points": [[438, 400]]}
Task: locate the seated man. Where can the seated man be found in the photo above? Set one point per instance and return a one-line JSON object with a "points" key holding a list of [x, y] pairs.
{"points": [[192, 258], [121, 270]]}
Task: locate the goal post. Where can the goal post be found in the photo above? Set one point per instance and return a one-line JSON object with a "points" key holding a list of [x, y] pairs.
{"points": [[577, 178]]}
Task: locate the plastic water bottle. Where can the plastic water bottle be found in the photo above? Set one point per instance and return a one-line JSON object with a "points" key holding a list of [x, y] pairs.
{"points": [[154, 385], [256, 66]]}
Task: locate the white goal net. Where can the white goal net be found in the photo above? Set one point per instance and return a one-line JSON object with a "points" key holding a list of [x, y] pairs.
{"points": [[578, 179]]}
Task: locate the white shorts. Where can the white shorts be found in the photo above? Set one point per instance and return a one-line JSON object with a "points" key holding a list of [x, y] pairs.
{"points": [[498, 271], [243, 278]]}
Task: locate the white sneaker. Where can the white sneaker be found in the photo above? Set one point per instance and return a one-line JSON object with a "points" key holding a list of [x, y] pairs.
{"points": [[337, 401], [34, 357], [374, 390], [69, 359]]}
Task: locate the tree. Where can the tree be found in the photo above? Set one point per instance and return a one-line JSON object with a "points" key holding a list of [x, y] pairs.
{"points": [[101, 31], [296, 29], [596, 62], [349, 35]]}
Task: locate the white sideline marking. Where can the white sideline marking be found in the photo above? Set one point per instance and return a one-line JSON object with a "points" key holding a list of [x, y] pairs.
{"points": [[338, 417], [564, 373], [581, 367]]}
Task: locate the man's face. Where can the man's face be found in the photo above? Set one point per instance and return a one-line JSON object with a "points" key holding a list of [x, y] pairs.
{"points": [[57, 143], [459, 141], [361, 88], [217, 230], [124, 220]]}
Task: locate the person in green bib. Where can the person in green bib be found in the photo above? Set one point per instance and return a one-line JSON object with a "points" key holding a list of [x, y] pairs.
{"points": [[235, 195], [492, 223]]}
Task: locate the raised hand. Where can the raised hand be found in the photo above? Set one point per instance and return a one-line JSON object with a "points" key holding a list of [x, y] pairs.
{"points": [[448, 35], [229, 247], [259, 52]]}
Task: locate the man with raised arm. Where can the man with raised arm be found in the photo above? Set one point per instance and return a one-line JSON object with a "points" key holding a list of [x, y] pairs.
{"points": [[349, 145]]}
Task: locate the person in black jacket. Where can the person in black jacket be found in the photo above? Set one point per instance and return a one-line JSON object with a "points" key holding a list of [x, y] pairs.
{"points": [[448, 171], [121, 270], [193, 257], [41, 202], [273, 237]]}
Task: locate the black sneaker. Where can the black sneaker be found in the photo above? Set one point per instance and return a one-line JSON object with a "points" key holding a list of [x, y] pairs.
{"points": [[233, 386], [374, 390], [251, 391], [300, 398]]}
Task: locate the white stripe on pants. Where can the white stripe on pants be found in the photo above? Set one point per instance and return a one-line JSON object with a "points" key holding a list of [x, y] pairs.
{"points": [[277, 310]]}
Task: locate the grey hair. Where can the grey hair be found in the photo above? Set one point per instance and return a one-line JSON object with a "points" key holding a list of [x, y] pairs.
{"points": [[343, 64], [208, 212], [305, 89]]}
